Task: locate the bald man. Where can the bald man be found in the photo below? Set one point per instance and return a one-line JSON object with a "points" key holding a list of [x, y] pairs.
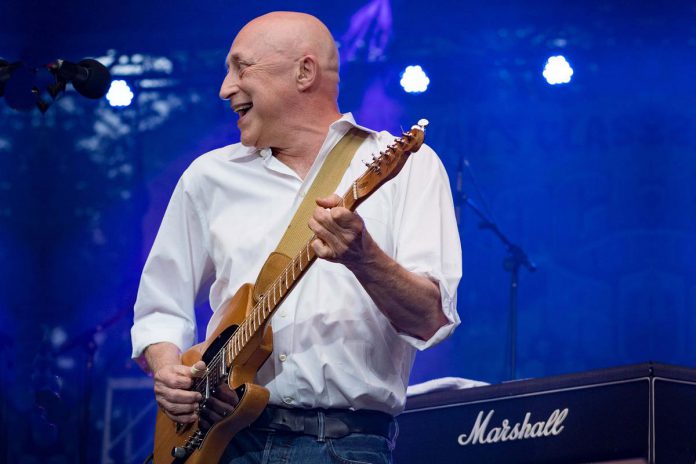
{"points": [[385, 286]]}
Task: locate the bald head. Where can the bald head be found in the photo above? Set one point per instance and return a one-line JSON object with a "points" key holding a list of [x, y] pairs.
{"points": [[293, 35]]}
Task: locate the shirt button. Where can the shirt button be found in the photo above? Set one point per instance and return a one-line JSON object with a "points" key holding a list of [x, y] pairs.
{"points": [[283, 314], [302, 193], [287, 400], [283, 357]]}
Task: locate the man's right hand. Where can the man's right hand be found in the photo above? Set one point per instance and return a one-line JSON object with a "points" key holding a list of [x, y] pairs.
{"points": [[172, 382]]}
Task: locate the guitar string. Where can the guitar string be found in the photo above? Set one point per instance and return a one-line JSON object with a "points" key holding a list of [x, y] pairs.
{"points": [[204, 383], [213, 364]]}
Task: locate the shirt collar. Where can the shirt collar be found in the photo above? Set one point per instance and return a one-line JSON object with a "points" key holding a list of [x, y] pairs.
{"points": [[342, 125]]}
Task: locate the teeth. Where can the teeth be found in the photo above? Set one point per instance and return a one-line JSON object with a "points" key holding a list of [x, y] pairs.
{"points": [[243, 108]]}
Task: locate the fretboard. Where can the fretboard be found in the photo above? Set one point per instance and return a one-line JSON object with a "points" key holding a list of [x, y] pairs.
{"points": [[380, 170]]}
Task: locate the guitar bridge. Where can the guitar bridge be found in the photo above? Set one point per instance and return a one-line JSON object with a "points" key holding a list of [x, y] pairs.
{"points": [[191, 445]]}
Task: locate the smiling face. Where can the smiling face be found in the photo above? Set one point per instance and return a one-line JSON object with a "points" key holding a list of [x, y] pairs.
{"points": [[260, 85], [282, 81]]}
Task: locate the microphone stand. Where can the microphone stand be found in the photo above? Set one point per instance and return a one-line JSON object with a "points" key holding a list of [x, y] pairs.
{"points": [[515, 258]]}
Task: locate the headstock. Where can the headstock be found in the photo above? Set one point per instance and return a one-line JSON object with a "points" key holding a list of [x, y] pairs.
{"points": [[389, 162]]}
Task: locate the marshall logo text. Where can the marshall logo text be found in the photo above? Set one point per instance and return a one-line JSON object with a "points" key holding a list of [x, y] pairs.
{"points": [[480, 434]]}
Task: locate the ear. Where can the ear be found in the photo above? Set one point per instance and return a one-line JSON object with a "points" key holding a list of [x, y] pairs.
{"points": [[307, 72]]}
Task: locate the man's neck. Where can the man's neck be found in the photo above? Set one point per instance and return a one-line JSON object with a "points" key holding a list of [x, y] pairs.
{"points": [[306, 142]]}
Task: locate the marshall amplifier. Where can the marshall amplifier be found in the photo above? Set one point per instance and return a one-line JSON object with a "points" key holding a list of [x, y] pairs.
{"points": [[642, 413]]}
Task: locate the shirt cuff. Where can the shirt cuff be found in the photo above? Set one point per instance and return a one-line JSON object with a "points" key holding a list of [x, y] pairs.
{"points": [[449, 308], [161, 327]]}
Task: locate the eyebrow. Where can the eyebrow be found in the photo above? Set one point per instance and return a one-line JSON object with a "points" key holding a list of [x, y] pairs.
{"points": [[232, 58]]}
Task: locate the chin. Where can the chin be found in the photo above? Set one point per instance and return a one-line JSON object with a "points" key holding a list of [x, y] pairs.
{"points": [[247, 140]]}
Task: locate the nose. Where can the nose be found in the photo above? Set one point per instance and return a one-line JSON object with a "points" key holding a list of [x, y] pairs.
{"points": [[229, 86]]}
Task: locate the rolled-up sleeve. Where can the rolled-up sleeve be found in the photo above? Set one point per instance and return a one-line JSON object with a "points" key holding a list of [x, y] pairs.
{"points": [[427, 236], [175, 270]]}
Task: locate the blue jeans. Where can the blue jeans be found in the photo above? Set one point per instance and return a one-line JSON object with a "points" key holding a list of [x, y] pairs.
{"points": [[260, 447]]}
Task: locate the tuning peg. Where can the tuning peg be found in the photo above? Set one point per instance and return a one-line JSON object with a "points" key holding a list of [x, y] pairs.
{"points": [[423, 123]]}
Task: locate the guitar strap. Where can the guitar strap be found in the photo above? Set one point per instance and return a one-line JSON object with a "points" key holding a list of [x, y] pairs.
{"points": [[298, 233]]}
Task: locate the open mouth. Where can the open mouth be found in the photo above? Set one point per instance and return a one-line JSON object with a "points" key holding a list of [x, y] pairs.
{"points": [[243, 109]]}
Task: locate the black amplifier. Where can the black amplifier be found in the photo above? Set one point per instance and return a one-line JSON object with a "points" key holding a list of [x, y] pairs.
{"points": [[642, 413]]}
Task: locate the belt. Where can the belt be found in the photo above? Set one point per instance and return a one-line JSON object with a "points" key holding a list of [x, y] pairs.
{"points": [[328, 423]]}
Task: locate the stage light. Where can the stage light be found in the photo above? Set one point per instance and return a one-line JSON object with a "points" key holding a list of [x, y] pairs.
{"points": [[119, 94], [414, 79], [557, 70]]}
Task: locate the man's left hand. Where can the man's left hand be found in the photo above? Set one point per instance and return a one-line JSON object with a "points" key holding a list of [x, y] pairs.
{"points": [[341, 233]]}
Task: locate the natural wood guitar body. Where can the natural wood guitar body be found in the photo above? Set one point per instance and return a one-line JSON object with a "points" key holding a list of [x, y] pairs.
{"points": [[253, 398]]}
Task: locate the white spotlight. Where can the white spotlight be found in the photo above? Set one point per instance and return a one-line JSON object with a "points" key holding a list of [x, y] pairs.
{"points": [[557, 70], [414, 79], [119, 93]]}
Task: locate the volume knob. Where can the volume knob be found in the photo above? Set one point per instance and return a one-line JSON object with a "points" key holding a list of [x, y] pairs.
{"points": [[180, 452]]}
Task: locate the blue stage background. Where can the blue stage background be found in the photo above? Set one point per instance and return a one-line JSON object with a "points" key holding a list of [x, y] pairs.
{"points": [[595, 179]]}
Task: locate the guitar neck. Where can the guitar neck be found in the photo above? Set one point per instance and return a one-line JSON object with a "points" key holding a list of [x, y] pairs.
{"points": [[379, 171], [267, 305]]}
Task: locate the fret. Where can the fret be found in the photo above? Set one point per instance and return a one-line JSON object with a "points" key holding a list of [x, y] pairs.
{"points": [[286, 279], [293, 270], [224, 360]]}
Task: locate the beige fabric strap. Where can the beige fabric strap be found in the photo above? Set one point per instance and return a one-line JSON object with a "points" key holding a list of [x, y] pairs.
{"points": [[298, 233]]}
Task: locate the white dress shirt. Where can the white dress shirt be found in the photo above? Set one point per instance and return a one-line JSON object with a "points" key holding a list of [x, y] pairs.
{"points": [[332, 347]]}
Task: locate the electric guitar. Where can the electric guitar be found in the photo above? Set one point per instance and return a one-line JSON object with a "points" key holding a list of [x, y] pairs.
{"points": [[243, 339]]}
